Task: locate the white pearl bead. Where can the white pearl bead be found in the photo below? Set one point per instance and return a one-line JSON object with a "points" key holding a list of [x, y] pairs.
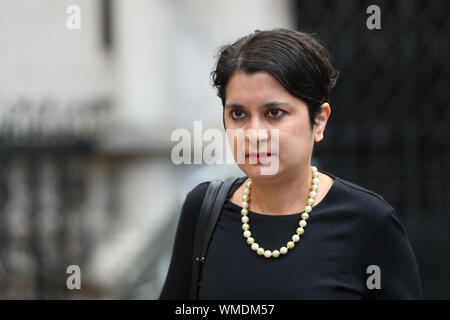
{"points": [[302, 223], [275, 253]]}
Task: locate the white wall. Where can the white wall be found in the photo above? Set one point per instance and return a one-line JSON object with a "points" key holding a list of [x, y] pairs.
{"points": [[157, 77], [40, 56]]}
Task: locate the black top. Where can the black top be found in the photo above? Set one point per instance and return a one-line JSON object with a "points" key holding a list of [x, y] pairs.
{"points": [[349, 230]]}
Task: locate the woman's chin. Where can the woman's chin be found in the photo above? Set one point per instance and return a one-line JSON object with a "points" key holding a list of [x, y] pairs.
{"points": [[260, 171]]}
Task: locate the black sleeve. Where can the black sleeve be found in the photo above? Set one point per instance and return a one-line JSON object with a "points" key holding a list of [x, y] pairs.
{"points": [[177, 284], [391, 251]]}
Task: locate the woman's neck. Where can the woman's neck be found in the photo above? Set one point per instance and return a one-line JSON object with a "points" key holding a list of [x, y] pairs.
{"points": [[283, 194]]}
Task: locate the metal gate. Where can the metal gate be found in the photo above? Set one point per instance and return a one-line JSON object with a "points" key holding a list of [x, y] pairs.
{"points": [[389, 125]]}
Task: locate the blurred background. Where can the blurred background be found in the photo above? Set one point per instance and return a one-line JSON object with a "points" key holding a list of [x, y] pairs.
{"points": [[86, 117]]}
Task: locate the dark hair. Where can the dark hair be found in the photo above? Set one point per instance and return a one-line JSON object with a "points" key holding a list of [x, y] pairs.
{"points": [[297, 60]]}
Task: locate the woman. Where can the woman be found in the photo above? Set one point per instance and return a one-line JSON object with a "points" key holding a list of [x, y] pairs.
{"points": [[298, 233]]}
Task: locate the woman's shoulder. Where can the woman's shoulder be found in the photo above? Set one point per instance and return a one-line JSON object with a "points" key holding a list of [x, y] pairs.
{"points": [[195, 196], [357, 198], [199, 191], [363, 193], [370, 212]]}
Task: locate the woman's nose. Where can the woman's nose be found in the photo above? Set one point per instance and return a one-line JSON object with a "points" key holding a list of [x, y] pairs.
{"points": [[257, 131]]}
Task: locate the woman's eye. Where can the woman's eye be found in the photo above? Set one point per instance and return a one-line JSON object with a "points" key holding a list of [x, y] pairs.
{"points": [[276, 113], [237, 114]]}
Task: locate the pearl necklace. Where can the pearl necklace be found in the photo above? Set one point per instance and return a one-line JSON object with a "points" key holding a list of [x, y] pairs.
{"points": [[300, 230]]}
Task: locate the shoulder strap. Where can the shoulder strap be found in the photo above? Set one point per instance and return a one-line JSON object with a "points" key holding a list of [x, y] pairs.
{"points": [[211, 208]]}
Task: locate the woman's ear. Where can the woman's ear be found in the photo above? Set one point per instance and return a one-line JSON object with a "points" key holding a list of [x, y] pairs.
{"points": [[321, 121]]}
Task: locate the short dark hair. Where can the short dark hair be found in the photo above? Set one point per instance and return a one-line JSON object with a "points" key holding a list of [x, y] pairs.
{"points": [[297, 60]]}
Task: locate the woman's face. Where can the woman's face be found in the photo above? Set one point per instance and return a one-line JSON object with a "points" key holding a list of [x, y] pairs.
{"points": [[258, 101]]}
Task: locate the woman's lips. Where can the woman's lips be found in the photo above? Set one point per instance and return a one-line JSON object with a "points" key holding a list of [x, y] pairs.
{"points": [[259, 156]]}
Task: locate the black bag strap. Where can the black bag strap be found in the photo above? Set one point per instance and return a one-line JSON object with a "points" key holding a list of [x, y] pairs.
{"points": [[211, 208]]}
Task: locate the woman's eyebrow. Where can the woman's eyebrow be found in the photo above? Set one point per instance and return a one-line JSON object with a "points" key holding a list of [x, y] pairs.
{"points": [[234, 105], [274, 104], [265, 105]]}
